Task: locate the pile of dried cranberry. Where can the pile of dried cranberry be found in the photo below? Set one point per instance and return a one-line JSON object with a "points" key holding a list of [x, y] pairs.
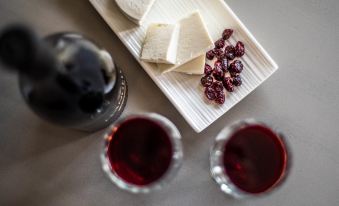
{"points": [[224, 74]]}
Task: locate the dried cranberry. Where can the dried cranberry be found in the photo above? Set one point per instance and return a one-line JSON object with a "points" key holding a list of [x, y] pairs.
{"points": [[230, 52], [220, 98], [236, 67], [227, 34], [208, 69], [210, 55], [239, 49], [234, 74], [230, 88], [218, 74], [224, 64], [217, 64], [227, 80], [228, 84], [220, 43], [237, 81], [218, 52], [206, 81], [210, 93], [217, 86]]}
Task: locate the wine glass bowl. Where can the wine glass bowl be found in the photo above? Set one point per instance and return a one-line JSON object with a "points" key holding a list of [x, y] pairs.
{"points": [[249, 159], [142, 153]]}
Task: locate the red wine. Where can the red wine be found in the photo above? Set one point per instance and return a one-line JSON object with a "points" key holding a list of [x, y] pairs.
{"points": [[255, 159], [140, 151]]}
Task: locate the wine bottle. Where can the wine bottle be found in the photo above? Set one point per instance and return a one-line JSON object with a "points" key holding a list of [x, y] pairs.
{"points": [[65, 78]]}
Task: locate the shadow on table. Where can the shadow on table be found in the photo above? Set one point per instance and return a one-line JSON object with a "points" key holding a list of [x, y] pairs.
{"points": [[85, 18], [28, 136]]}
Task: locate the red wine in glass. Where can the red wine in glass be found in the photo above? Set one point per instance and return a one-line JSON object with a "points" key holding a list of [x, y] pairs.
{"points": [[142, 152], [249, 159]]}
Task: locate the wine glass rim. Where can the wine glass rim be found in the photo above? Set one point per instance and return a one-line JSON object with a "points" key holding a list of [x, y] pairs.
{"points": [[218, 171], [176, 160]]}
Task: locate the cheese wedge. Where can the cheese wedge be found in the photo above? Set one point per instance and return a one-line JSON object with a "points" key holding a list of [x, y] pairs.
{"points": [[196, 66], [161, 43], [194, 40], [135, 10]]}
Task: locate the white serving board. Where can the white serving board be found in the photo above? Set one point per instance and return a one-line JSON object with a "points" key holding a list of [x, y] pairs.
{"points": [[184, 91]]}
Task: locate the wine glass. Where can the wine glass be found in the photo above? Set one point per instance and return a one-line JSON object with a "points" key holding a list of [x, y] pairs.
{"points": [[142, 153], [249, 159]]}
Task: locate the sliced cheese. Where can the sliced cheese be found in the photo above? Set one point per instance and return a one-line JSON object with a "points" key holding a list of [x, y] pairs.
{"points": [[196, 66], [136, 10], [194, 40], [161, 43]]}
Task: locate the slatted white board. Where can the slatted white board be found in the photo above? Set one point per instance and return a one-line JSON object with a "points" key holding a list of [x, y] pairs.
{"points": [[184, 91]]}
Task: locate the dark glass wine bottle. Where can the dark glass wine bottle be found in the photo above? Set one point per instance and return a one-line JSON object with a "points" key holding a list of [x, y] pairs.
{"points": [[65, 78]]}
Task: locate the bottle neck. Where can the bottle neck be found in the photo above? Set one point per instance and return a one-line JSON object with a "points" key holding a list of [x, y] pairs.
{"points": [[22, 50], [65, 68]]}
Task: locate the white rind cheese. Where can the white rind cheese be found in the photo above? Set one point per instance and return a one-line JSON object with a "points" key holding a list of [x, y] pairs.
{"points": [[194, 40], [161, 43], [196, 66], [135, 10]]}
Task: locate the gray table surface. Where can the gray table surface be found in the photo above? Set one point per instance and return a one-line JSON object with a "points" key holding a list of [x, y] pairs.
{"points": [[41, 164]]}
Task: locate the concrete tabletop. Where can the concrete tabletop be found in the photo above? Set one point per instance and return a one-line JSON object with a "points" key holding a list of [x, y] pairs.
{"points": [[42, 164]]}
